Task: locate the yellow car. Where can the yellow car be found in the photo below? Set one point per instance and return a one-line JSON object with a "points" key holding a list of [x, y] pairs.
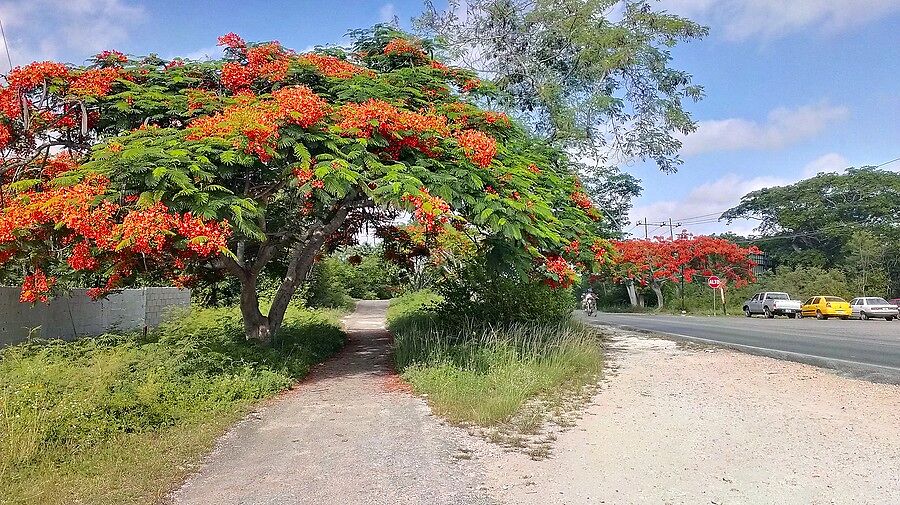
{"points": [[823, 307]]}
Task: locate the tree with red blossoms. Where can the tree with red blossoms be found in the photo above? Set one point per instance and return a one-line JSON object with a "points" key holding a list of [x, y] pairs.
{"points": [[140, 168], [652, 262]]}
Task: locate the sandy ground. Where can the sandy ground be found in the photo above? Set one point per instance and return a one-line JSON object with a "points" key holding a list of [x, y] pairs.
{"points": [[677, 425], [669, 425]]}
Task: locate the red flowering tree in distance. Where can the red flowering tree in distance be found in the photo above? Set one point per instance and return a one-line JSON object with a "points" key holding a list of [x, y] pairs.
{"points": [[134, 168], [655, 261]]}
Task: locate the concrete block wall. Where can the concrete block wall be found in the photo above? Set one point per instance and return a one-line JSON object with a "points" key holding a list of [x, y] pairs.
{"points": [[75, 315]]}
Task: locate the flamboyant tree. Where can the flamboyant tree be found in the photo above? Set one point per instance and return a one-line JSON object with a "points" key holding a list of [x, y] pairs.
{"points": [[133, 168], [652, 262]]}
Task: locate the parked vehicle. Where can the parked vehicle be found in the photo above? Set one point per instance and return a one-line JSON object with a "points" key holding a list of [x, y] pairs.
{"points": [[869, 307], [895, 301], [823, 307], [771, 304]]}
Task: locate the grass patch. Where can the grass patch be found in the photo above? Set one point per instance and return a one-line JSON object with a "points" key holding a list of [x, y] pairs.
{"points": [[121, 418], [484, 375]]}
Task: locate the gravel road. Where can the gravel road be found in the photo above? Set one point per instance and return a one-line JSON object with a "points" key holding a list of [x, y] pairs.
{"points": [[346, 435], [676, 424]]}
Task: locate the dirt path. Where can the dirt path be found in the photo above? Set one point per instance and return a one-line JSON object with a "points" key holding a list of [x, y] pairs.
{"points": [[344, 436], [676, 425]]}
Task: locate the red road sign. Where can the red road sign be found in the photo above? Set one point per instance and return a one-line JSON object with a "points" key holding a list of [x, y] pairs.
{"points": [[714, 282]]}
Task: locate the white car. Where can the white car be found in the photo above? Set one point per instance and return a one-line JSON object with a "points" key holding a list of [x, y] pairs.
{"points": [[771, 304], [869, 307]]}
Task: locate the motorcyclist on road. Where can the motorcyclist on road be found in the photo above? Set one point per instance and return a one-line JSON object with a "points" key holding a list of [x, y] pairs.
{"points": [[589, 302]]}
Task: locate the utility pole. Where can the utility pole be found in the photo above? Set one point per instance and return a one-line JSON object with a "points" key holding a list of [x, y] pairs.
{"points": [[646, 224]]}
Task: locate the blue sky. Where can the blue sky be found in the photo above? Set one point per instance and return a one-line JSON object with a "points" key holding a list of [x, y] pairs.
{"points": [[793, 87]]}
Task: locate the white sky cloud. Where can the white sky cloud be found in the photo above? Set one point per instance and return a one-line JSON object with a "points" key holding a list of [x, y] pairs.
{"points": [[205, 53], [703, 205], [42, 29], [831, 162], [781, 128], [743, 19], [387, 13]]}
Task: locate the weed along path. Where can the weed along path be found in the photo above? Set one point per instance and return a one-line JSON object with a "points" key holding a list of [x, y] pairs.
{"points": [[345, 435]]}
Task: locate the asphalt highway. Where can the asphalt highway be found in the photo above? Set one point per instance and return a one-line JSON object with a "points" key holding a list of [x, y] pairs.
{"points": [[866, 349]]}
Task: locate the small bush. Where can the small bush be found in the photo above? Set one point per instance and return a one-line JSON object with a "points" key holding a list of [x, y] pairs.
{"points": [[482, 374], [412, 307], [64, 404], [326, 288], [497, 298]]}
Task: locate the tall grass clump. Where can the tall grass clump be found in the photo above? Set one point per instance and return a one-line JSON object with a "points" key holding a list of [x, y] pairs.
{"points": [[117, 418], [475, 372]]}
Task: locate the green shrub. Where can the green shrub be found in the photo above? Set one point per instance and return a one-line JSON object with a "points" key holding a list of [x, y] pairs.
{"points": [[326, 287], [483, 374], [61, 402], [369, 276], [411, 307], [482, 294]]}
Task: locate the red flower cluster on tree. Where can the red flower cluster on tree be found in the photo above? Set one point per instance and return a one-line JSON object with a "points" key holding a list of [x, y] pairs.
{"points": [[253, 124], [471, 85], [111, 58], [300, 106], [429, 210], [330, 66], [581, 200], [205, 238], [95, 82], [478, 147], [656, 260], [401, 128], [77, 219], [403, 47], [236, 77], [81, 258], [34, 74], [36, 286], [232, 40], [559, 273], [266, 61], [496, 117]]}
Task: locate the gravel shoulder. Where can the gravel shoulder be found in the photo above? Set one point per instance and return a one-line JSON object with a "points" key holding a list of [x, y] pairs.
{"points": [[346, 435], [684, 424]]}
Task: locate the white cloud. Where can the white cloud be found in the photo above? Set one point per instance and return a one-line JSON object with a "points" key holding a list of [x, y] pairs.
{"points": [[781, 128], [743, 19], [831, 162], [58, 29], [702, 206], [700, 209], [206, 53], [387, 13]]}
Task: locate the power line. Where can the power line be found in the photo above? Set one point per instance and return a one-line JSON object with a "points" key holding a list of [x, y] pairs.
{"points": [[705, 217], [6, 45]]}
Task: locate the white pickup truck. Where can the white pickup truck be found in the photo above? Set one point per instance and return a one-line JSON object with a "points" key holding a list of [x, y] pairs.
{"points": [[771, 304]]}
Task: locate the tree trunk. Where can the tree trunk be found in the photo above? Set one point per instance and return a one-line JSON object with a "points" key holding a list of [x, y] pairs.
{"points": [[657, 288], [256, 325], [302, 256], [632, 294]]}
